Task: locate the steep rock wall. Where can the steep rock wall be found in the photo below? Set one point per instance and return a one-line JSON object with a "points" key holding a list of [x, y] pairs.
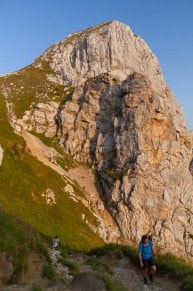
{"points": [[137, 141]]}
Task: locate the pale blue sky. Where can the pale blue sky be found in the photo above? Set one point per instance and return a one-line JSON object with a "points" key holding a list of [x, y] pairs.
{"points": [[29, 27]]}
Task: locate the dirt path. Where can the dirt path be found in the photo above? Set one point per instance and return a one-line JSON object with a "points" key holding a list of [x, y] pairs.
{"points": [[130, 277], [125, 273]]}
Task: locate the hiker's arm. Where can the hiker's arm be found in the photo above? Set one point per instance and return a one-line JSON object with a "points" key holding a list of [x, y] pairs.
{"points": [[140, 260]]}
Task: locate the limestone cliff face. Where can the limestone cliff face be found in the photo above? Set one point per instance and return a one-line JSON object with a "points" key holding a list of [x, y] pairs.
{"points": [[137, 140], [125, 122], [108, 47]]}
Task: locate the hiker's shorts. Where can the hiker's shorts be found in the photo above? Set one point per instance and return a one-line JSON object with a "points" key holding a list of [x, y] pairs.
{"points": [[148, 263]]}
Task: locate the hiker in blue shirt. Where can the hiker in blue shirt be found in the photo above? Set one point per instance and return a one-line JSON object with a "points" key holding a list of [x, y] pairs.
{"points": [[146, 259]]}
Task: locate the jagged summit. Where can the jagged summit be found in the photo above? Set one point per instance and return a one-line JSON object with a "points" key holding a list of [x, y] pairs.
{"points": [[107, 47]]}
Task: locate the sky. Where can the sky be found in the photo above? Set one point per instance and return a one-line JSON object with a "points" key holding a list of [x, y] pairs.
{"points": [[28, 28]]}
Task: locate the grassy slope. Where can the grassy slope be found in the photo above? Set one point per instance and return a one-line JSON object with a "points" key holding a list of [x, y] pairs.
{"points": [[31, 85], [24, 179], [13, 242]]}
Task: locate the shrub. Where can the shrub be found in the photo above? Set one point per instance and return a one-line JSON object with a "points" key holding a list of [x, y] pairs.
{"points": [[73, 267], [48, 272], [177, 268], [37, 288]]}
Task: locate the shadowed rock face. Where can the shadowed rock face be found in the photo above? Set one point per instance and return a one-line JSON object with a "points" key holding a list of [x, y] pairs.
{"points": [[136, 139], [125, 122]]}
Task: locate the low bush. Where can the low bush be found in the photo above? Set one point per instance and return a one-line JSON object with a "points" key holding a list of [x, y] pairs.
{"points": [[177, 268], [48, 272], [73, 267]]}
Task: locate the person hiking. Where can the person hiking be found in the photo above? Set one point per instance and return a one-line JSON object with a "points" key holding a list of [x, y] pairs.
{"points": [[146, 258], [55, 242]]}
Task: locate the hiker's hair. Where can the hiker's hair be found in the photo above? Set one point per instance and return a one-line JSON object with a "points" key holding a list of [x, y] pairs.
{"points": [[145, 236]]}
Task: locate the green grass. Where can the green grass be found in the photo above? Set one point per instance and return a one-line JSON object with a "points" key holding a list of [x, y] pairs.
{"points": [[36, 287], [23, 181], [107, 248], [177, 268], [22, 196], [7, 136], [17, 240], [72, 266], [97, 265], [105, 273], [111, 285], [115, 174], [23, 90], [31, 85], [48, 272], [14, 243]]}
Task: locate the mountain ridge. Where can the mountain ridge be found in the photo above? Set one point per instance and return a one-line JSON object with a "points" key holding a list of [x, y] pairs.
{"points": [[104, 97]]}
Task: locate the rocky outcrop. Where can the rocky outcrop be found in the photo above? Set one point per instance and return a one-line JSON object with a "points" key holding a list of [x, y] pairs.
{"points": [[124, 121]]}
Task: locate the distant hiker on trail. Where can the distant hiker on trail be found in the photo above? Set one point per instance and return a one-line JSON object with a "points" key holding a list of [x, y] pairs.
{"points": [[55, 242], [146, 259]]}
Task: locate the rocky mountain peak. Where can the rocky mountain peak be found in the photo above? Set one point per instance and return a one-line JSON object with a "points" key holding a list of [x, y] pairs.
{"points": [[116, 113], [107, 47]]}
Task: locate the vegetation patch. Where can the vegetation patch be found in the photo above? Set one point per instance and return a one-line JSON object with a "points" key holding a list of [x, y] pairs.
{"points": [[177, 268], [72, 266], [115, 174], [31, 85], [23, 196], [111, 284], [105, 273], [36, 287], [48, 272], [13, 242], [107, 248], [24, 180], [67, 95], [98, 265]]}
